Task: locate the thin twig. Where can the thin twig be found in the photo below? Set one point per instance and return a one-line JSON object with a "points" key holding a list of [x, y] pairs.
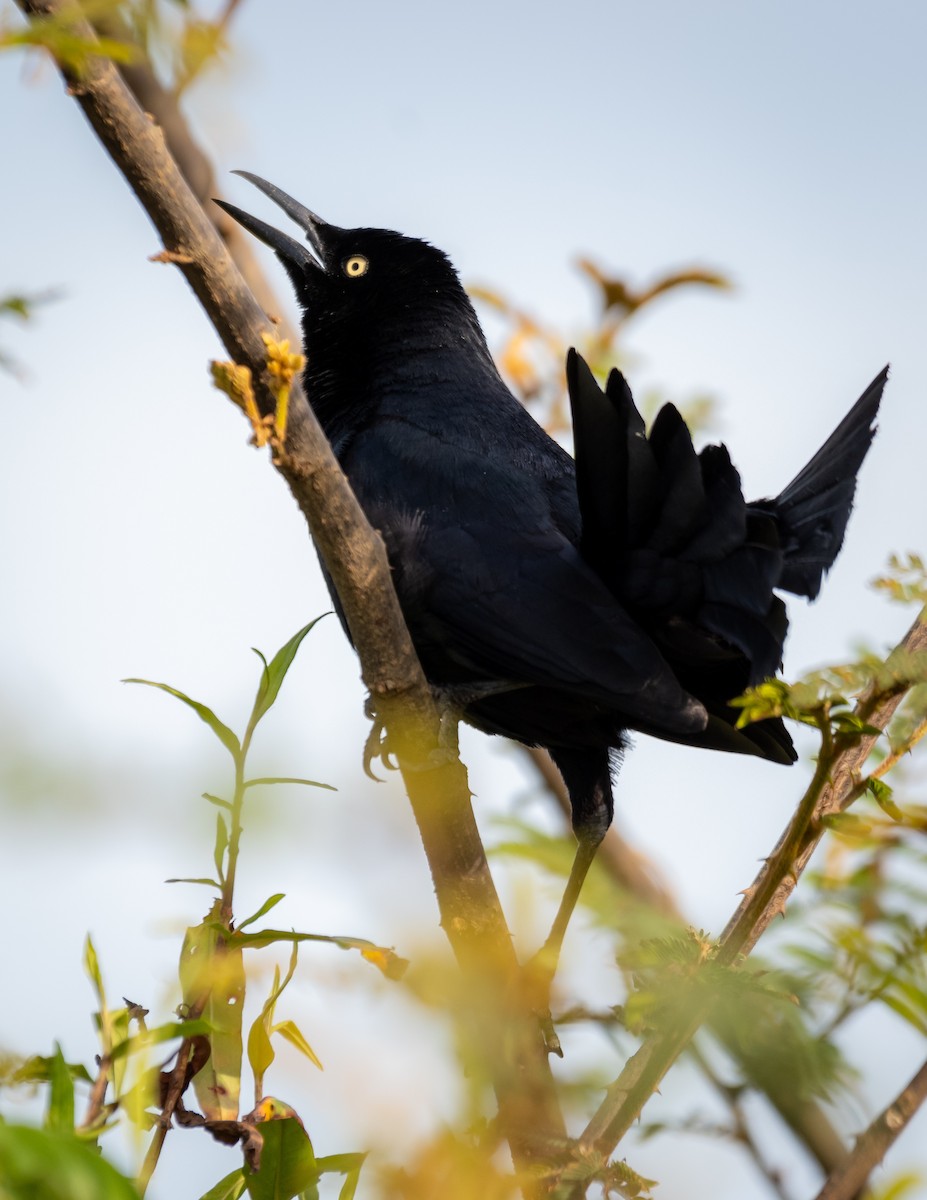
{"points": [[97, 1096], [741, 1132], [871, 1147], [175, 1089]]}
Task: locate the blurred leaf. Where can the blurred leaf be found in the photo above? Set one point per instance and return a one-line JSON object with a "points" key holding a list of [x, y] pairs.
{"points": [[387, 960], [229, 1188], [55, 33], [275, 671], [92, 967], [289, 1031], [261, 1053], [36, 1164], [161, 1033], [268, 904], [38, 1069], [883, 797], [60, 1115], [348, 1165], [212, 979], [270, 779], [221, 845], [907, 1184], [288, 1163], [222, 732], [205, 882], [906, 581]]}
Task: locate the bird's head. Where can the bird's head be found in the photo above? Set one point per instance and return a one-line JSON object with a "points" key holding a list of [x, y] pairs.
{"points": [[363, 289]]}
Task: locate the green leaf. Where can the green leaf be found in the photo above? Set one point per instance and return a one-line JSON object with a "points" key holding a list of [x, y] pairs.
{"points": [[288, 1163], [348, 1165], [36, 1164], [92, 967], [212, 979], [229, 1188], [218, 801], [205, 882], [387, 960], [267, 779], [882, 793], [289, 1031], [222, 732], [161, 1033], [38, 1069], [60, 1115], [222, 844], [275, 672], [265, 908], [261, 1052]]}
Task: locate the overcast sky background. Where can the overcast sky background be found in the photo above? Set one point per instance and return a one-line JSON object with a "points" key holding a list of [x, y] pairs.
{"points": [[141, 535]]}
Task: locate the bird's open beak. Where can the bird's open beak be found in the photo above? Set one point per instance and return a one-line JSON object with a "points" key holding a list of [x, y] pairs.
{"points": [[290, 251]]}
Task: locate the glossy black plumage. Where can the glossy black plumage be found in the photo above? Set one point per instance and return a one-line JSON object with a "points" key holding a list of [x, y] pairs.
{"points": [[635, 590]]}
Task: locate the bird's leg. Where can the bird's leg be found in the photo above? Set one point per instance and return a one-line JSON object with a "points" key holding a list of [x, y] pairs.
{"points": [[587, 777]]}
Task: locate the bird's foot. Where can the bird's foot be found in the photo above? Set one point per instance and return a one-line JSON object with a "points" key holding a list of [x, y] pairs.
{"points": [[538, 977], [377, 744]]}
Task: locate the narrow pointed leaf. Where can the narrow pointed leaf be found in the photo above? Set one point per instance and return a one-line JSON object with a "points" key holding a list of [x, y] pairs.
{"points": [[387, 960], [92, 967], [222, 842], [265, 908], [269, 779], [60, 1115], [205, 882], [218, 801], [222, 731], [275, 673], [289, 1031]]}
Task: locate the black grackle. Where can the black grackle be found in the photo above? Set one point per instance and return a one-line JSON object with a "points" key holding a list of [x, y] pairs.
{"points": [[634, 589]]}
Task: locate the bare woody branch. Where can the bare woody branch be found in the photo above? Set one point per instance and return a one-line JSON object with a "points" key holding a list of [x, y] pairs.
{"points": [[354, 556], [872, 1146]]}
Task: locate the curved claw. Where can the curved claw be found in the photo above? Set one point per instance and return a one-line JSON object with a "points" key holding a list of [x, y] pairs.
{"points": [[377, 744]]}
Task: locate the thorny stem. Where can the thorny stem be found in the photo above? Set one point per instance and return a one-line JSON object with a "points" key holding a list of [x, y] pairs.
{"points": [[847, 1180], [834, 786]]}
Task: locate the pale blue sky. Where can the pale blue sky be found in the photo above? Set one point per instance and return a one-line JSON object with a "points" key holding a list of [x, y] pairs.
{"points": [[141, 535]]}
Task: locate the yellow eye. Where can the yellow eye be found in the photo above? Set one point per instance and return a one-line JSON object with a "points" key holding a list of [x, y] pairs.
{"points": [[355, 266]]}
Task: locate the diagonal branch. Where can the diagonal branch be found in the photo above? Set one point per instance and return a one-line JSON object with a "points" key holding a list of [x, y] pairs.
{"points": [[355, 558], [836, 784], [871, 1147]]}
